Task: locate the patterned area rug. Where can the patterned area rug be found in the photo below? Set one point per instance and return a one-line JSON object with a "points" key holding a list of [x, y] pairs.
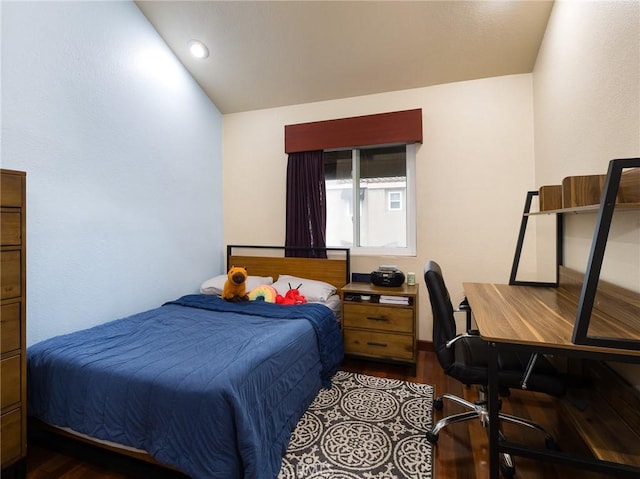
{"points": [[363, 427]]}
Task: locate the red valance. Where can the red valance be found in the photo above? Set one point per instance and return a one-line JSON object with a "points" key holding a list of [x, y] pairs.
{"points": [[380, 129]]}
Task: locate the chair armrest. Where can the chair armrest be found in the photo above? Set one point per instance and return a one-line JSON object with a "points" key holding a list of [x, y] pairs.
{"points": [[451, 342], [465, 307]]}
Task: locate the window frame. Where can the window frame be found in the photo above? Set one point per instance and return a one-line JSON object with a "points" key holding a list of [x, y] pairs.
{"points": [[391, 192], [410, 204]]}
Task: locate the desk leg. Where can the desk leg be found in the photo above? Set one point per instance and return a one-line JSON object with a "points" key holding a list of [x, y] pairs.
{"points": [[494, 421]]}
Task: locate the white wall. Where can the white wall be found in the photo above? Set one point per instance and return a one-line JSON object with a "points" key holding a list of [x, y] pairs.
{"points": [[123, 157], [587, 112], [473, 171]]}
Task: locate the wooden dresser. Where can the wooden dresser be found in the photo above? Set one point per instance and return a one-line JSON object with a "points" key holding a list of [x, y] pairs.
{"points": [[13, 434], [378, 330]]}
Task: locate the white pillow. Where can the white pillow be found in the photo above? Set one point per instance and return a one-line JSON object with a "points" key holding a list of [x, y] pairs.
{"points": [[216, 285], [311, 289]]}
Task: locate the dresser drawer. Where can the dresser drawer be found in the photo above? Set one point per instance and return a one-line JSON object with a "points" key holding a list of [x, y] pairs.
{"points": [[10, 381], [10, 228], [11, 190], [10, 333], [374, 316], [10, 436], [10, 279], [384, 345]]}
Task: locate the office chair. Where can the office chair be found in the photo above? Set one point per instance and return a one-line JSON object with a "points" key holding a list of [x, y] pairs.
{"points": [[464, 357]]}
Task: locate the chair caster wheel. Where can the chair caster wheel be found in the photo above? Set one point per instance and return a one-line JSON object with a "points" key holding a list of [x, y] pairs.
{"points": [[507, 471], [431, 437], [438, 404], [550, 444]]}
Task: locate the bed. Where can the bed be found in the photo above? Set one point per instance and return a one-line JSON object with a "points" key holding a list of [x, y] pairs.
{"points": [[199, 384]]}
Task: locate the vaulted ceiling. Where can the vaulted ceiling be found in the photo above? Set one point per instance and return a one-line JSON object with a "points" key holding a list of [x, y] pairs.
{"points": [[265, 54]]}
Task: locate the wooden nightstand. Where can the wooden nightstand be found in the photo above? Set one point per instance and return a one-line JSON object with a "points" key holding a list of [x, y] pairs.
{"points": [[378, 330]]}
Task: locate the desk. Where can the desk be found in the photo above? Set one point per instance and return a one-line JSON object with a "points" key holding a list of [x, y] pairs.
{"points": [[540, 320]]}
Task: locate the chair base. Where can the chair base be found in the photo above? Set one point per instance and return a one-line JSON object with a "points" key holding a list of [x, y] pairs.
{"points": [[478, 410]]}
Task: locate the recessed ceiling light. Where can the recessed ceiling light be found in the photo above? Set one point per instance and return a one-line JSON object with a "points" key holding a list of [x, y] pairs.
{"points": [[198, 49]]}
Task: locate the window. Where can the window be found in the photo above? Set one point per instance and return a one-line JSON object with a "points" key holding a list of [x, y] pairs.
{"points": [[395, 200], [380, 182]]}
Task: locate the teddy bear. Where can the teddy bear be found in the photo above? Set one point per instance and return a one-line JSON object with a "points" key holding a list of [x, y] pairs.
{"points": [[292, 296], [235, 288]]}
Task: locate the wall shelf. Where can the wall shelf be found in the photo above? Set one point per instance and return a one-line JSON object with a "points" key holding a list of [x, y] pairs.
{"points": [[582, 209], [618, 189], [583, 194]]}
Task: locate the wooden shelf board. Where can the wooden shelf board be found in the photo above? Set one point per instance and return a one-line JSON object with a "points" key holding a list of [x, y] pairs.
{"points": [[604, 433], [582, 209]]}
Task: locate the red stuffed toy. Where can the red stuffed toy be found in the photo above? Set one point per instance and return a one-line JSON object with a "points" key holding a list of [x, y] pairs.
{"points": [[292, 296]]}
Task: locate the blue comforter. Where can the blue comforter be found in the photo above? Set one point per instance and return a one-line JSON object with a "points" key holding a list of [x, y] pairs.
{"points": [[210, 387]]}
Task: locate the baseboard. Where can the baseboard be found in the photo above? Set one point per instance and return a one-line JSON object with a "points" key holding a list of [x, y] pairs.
{"points": [[425, 346]]}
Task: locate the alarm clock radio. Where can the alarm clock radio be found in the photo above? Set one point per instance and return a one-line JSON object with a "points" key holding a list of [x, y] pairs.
{"points": [[387, 276]]}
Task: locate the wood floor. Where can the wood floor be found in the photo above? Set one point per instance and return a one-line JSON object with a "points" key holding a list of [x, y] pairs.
{"points": [[461, 452]]}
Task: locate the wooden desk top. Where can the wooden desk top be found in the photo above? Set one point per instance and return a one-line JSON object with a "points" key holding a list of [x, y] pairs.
{"points": [[533, 315]]}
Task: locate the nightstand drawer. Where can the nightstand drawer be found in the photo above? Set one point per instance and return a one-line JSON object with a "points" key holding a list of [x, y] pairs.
{"points": [[375, 316], [392, 346]]}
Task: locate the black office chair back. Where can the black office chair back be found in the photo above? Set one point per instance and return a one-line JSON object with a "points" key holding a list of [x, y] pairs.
{"points": [[444, 324]]}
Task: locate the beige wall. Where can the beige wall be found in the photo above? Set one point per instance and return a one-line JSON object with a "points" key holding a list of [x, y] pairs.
{"points": [[587, 112], [473, 170]]}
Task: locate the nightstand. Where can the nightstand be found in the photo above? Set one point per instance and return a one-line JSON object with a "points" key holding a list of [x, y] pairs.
{"points": [[380, 323]]}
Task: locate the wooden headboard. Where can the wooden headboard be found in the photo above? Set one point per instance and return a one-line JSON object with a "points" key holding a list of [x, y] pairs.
{"points": [[270, 261]]}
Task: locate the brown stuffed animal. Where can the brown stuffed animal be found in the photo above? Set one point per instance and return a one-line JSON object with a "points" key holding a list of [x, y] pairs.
{"points": [[235, 288]]}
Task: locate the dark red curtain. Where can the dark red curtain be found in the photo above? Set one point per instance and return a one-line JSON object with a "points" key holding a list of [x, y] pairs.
{"points": [[306, 205]]}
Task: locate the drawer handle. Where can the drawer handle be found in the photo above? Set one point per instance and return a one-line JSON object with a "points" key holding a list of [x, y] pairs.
{"points": [[377, 318], [371, 343]]}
